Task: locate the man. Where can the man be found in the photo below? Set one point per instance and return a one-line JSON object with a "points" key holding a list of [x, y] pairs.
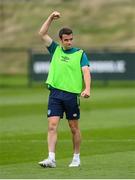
{"points": [[68, 69]]}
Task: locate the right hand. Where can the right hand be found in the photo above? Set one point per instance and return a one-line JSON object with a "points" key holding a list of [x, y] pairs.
{"points": [[55, 15]]}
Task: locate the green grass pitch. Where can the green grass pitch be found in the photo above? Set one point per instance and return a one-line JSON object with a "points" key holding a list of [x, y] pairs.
{"points": [[108, 135]]}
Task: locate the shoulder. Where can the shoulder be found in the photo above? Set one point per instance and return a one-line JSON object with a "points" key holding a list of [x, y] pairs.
{"points": [[84, 60], [52, 47]]}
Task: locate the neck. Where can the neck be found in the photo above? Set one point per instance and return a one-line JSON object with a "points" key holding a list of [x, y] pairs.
{"points": [[67, 48]]}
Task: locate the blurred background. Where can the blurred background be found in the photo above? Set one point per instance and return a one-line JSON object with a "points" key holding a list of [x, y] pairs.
{"points": [[105, 29], [97, 25]]}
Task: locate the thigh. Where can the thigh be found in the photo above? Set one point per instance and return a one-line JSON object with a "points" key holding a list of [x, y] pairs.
{"points": [[73, 124], [72, 108]]}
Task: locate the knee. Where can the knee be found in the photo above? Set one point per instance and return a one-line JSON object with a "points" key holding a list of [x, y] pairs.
{"points": [[52, 128], [74, 130]]}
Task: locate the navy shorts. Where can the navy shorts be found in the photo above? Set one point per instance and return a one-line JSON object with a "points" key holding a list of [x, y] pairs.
{"points": [[61, 102]]}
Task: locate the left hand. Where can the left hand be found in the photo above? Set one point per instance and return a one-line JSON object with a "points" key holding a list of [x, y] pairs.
{"points": [[85, 93]]}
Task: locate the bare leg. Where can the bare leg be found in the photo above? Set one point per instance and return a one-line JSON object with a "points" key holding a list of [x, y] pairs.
{"points": [[52, 140], [76, 135], [52, 132]]}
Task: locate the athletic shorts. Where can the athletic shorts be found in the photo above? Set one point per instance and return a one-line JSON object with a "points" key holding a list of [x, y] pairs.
{"points": [[61, 102]]}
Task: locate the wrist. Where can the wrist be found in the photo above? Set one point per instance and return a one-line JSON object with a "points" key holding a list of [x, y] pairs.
{"points": [[50, 18], [87, 88]]}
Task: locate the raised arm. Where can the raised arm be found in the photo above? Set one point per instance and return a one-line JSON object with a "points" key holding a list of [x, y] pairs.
{"points": [[43, 32], [87, 81]]}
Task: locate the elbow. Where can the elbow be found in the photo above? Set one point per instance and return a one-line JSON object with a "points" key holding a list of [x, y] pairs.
{"points": [[40, 33]]}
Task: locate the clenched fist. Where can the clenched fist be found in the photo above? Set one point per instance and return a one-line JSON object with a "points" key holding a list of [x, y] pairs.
{"points": [[55, 15]]}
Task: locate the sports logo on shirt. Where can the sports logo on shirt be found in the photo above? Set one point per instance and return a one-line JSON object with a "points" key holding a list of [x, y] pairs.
{"points": [[65, 58]]}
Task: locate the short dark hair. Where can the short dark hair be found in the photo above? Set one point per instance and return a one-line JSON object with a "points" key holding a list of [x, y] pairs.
{"points": [[65, 30]]}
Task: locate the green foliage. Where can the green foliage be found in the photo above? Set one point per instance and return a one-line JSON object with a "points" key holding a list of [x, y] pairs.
{"points": [[95, 23]]}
